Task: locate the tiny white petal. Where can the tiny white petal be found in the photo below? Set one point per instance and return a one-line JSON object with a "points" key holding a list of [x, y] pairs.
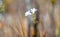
{"points": [[27, 13], [33, 10]]}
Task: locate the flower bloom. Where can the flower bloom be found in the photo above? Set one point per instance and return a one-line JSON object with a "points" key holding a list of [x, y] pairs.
{"points": [[30, 12], [27, 13], [33, 10]]}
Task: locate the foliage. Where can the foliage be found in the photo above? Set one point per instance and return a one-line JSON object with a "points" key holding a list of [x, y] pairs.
{"points": [[2, 8], [59, 32], [53, 2]]}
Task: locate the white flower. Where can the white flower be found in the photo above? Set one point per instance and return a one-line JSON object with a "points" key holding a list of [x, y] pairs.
{"points": [[33, 10], [28, 13]]}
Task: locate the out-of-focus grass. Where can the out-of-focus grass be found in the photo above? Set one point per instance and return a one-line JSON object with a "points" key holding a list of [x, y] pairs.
{"points": [[4, 7], [53, 2], [59, 32]]}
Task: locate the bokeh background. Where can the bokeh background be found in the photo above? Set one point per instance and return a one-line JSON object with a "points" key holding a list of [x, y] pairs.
{"points": [[14, 23]]}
